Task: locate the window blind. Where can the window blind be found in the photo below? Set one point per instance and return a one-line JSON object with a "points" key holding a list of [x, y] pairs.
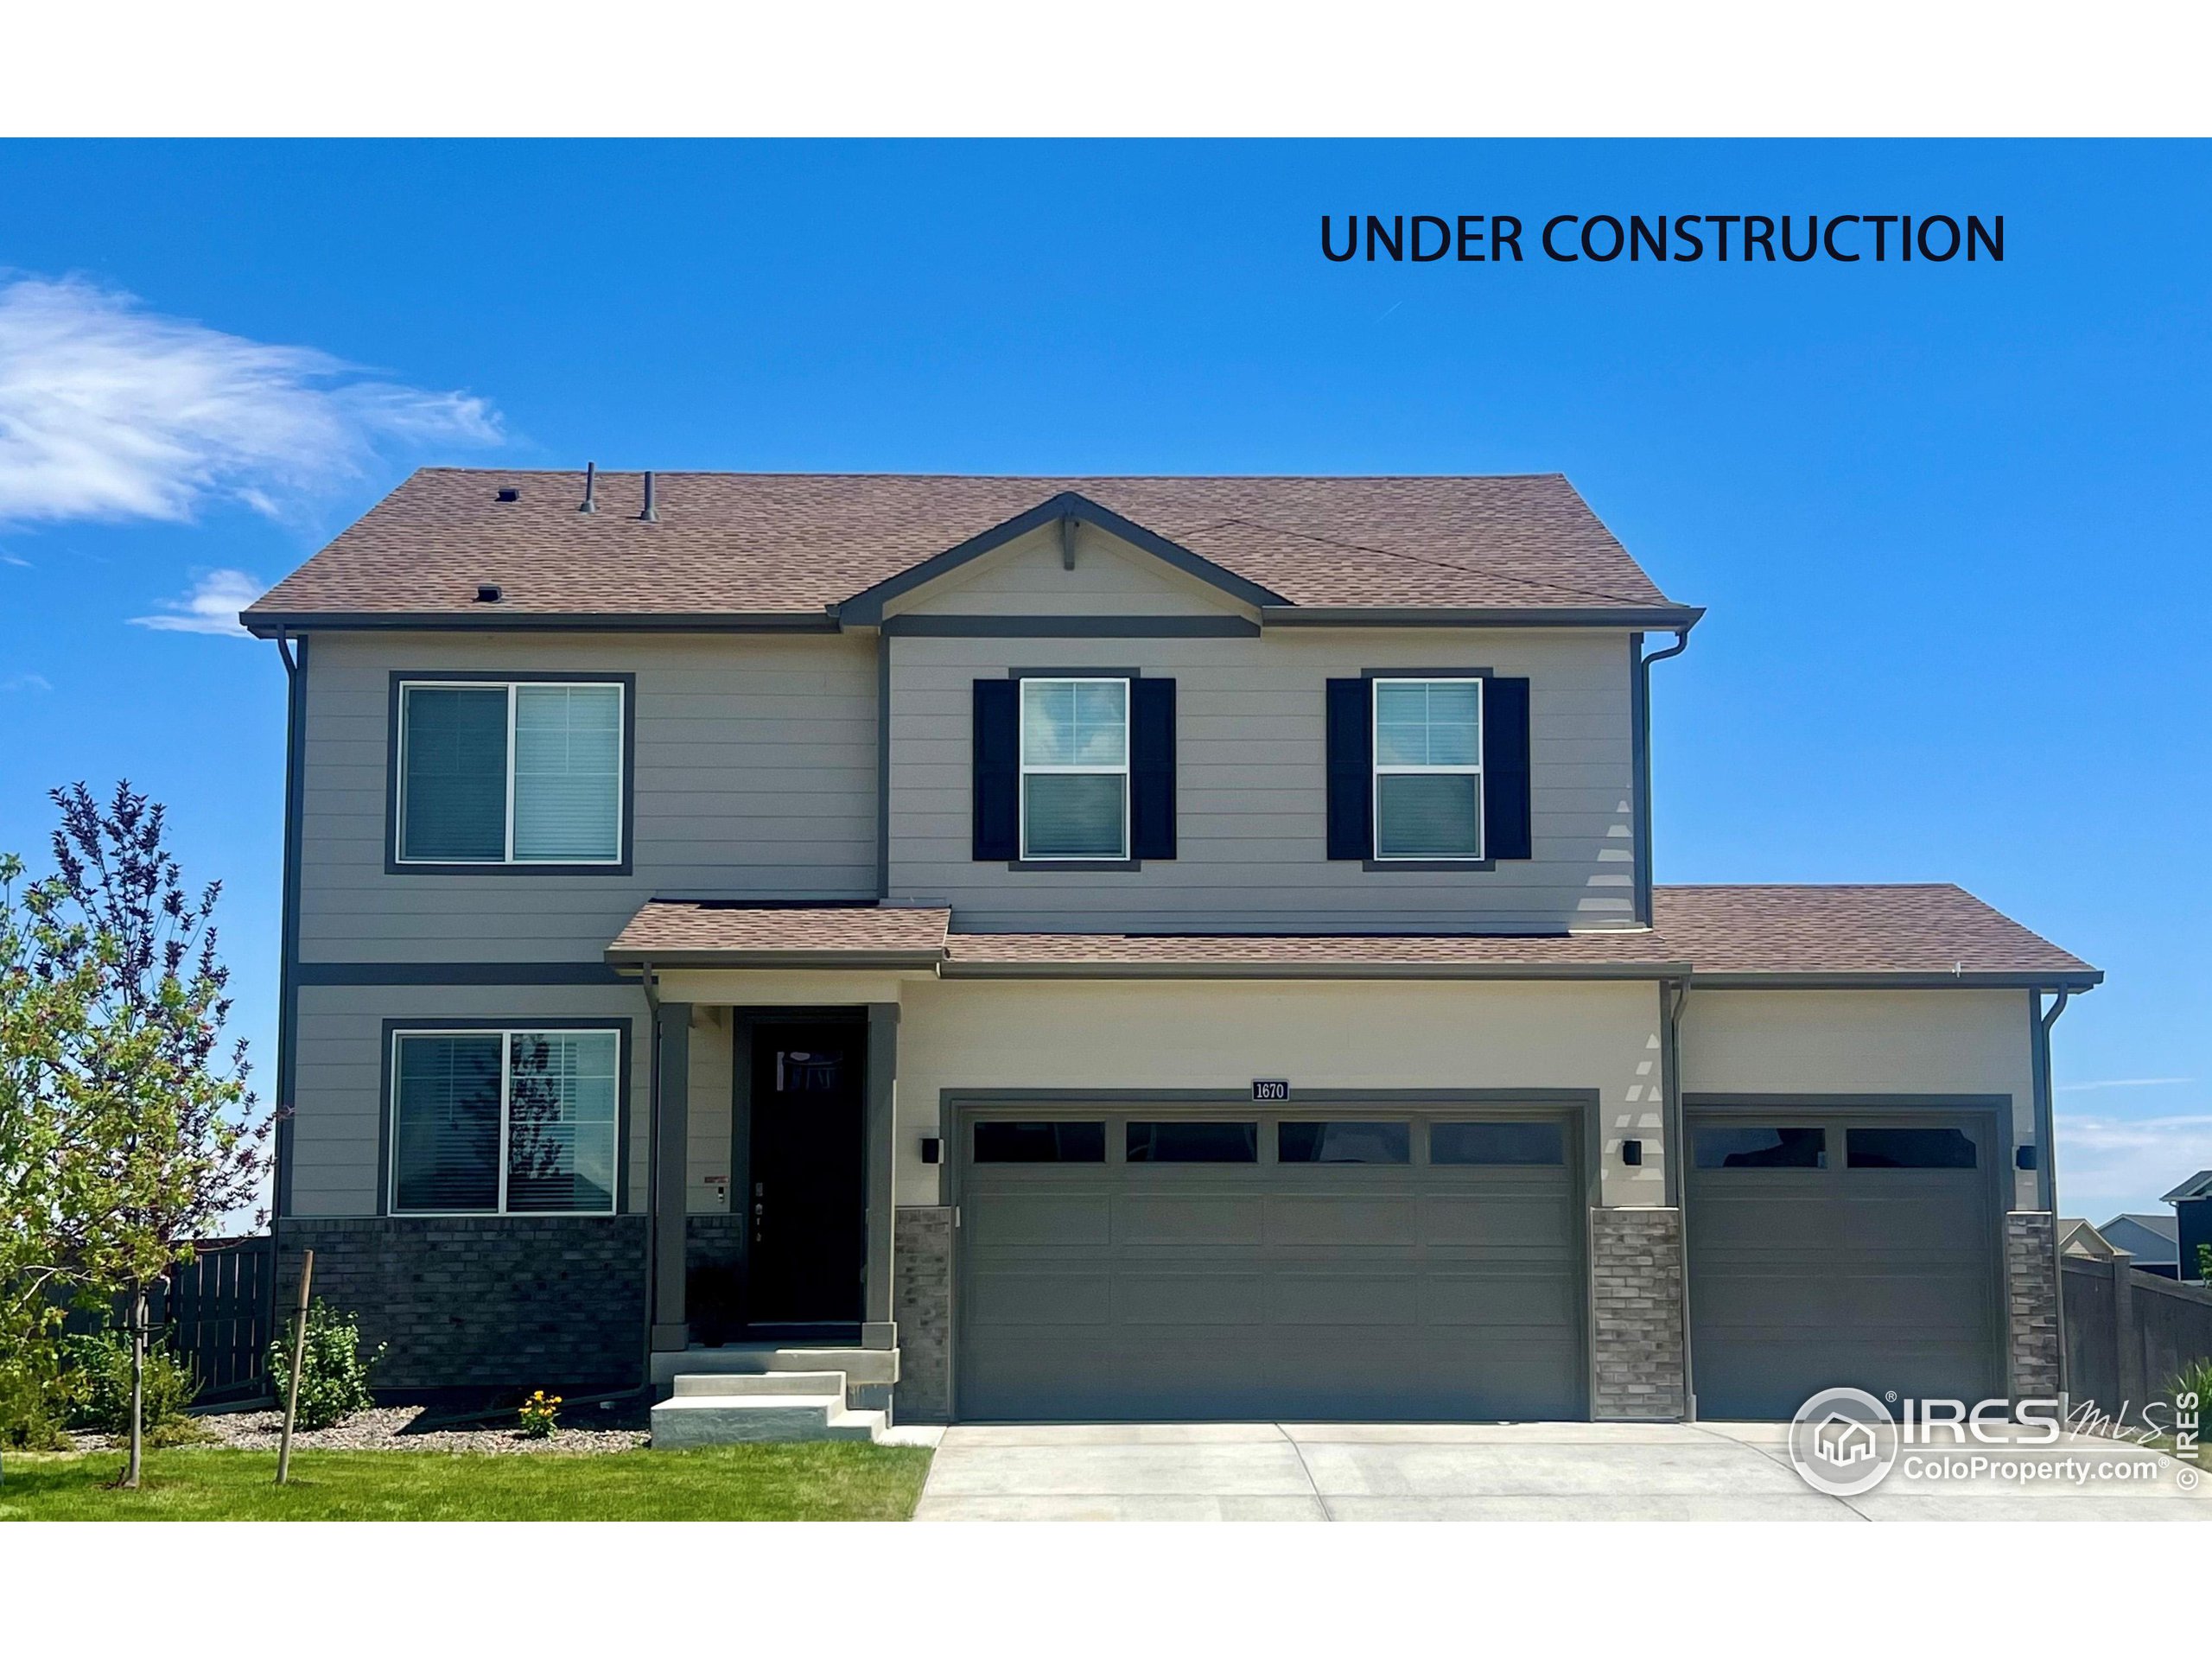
{"points": [[454, 781], [568, 773], [445, 1142]]}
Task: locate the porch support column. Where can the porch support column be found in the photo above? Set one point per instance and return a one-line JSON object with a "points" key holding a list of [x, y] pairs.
{"points": [[877, 1329], [671, 1147]]}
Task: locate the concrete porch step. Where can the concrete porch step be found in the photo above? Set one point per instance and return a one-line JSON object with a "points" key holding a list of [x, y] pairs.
{"points": [[741, 1384], [859, 1365], [686, 1419]]}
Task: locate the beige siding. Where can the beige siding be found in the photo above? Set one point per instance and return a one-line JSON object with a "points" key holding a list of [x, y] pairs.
{"points": [[755, 777], [1933, 1042], [1252, 847], [709, 1103], [1026, 577], [340, 1094], [962, 1034]]}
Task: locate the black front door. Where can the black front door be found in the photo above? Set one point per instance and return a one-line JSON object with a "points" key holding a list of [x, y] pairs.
{"points": [[808, 1150]]}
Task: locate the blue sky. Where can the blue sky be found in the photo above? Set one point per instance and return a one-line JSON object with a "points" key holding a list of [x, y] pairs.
{"points": [[1949, 520]]}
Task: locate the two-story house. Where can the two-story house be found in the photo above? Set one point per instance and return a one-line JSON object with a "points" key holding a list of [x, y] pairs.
{"points": [[1102, 948]]}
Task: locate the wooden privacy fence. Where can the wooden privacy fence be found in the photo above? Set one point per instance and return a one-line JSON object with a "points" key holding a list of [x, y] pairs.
{"points": [[2127, 1332], [219, 1312]]}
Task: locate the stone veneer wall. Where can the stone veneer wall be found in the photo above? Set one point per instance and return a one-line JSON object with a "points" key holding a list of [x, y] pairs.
{"points": [[1636, 1294], [921, 1302], [483, 1301], [2031, 1304]]}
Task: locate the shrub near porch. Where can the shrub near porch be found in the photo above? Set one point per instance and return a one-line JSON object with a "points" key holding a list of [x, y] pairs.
{"points": [[814, 1481]]}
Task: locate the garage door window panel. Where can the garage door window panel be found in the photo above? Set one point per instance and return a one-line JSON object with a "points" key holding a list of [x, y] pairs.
{"points": [[1348, 1142], [1040, 1143], [1497, 1144], [1186, 1142], [1759, 1145], [1908, 1148]]}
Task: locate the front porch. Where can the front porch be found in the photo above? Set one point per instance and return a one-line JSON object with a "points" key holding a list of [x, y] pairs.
{"points": [[772, 1220]]}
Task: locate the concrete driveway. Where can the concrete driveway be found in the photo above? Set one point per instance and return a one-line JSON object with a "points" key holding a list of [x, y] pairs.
{"points": [[1476, 1471]]}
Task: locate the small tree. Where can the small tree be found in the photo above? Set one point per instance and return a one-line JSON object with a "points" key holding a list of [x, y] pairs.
{"points": [[46, 1014], [169, 1141]]}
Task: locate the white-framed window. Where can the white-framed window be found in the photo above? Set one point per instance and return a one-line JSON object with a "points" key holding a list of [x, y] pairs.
{"points": [[1075, 769], [527, 771], [1428, 769], [505, 1122]]}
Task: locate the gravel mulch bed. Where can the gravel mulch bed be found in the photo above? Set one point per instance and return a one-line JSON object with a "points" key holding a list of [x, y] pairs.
{"points": [[390, 1429]]}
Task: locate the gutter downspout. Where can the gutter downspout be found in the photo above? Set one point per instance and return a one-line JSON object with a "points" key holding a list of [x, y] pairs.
{"points": [[1643, 694], [2047, 1179], [652, 1173], [279, 1189], [1673, 995]]}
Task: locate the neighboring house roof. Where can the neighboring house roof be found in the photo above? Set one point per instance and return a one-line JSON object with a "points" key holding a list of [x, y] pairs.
{"points": [[2148, 1238], [2198, 1185], [730, 546], [2077, 1237], [1762, 935]]}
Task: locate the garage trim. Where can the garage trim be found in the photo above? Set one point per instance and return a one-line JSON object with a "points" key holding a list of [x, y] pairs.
{"points": [[2002, 1140], [956, 1108]]}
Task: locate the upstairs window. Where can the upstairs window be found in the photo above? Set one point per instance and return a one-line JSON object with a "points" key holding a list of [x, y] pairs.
{"points": [[1428, 769], [1075, 769], [522, 774], [504, 1122]]}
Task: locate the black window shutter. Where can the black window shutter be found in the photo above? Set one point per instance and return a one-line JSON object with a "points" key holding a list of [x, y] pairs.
{"points": [[1152, 768], [1351, 770], [997, 743], [1506, 831]]}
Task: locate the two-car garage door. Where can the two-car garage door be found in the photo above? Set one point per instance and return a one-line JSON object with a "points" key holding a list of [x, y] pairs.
{"points": [[1833, 1249], [1164, 1262]]}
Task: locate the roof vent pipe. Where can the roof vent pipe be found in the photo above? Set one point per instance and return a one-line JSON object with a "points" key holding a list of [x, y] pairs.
{"points": [[649, 516], [591, 487]]}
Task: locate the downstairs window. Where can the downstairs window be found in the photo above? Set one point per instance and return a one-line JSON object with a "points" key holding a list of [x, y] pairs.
{"points": [[504, 1122]]}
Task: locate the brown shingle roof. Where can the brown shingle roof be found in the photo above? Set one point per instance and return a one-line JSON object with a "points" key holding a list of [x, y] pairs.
{"points": [[1931, 929], [1868, 934], [670, 932], [792, 544]]}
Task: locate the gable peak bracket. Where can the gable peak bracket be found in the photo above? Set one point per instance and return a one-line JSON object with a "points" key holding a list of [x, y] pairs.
{"points": [[1071, 527]]}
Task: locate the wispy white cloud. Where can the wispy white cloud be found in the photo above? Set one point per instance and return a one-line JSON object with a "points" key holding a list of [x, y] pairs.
{"points": [[26, 683], [2109, 1165], [212, 606], [108, 411], [2121, 1082]]}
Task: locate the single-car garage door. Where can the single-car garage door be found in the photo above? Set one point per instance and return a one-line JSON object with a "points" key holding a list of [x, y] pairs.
{"points": [[1829, 1250], [1172, 1263]]}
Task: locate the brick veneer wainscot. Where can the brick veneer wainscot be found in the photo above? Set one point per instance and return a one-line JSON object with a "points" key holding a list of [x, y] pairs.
{"points": [[921, 1302], [490, 1301]]}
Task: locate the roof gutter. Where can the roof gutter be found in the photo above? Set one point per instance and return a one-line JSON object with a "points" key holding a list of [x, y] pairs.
{"points": [[663, 960], [270, 624], [1817, 981], [1678, 617], [955, 969]]}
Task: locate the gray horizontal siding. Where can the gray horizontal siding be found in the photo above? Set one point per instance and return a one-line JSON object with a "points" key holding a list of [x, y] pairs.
{"points": [[755, 777], [1252, 799]]}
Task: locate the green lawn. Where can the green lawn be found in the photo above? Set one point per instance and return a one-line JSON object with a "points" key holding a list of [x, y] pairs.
{"points": [[825, 1481]]}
